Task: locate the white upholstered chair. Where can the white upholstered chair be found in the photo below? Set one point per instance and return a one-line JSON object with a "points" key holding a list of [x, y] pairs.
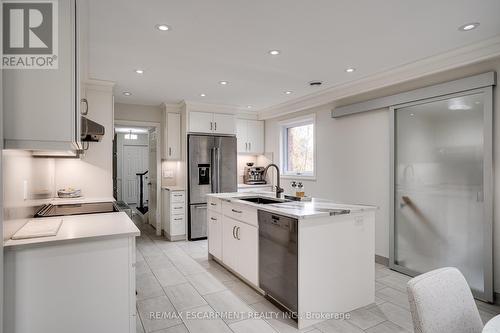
{"points": [[441, 302]]}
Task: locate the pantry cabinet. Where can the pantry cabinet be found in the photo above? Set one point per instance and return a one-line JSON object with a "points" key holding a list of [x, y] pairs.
{"points": [[213, 123], [173, 136], [250, 135], [49, 120]]}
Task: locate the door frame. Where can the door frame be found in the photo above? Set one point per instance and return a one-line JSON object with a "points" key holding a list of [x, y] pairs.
{"points": [[487, 295], [157, 127]]}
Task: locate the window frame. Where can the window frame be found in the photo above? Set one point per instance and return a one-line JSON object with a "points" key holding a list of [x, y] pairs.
{"points": [[283, 127]]}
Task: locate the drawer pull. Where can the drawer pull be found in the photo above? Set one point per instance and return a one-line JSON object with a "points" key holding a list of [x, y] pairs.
{"points": [[213, 219], [236, 211], [177, 195], [178, 207], [213, 204], [179, 219]]}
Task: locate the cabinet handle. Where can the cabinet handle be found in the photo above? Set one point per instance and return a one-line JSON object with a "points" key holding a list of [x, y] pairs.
{"points": [[86, 102], [177, 195], [234, 227], [237, 211], [215, 126], [211, 126], [180, 207], [178, 219], [246, 146], [249, 146], [213, 219], [213, 204], [169, 151], [238, 233]]}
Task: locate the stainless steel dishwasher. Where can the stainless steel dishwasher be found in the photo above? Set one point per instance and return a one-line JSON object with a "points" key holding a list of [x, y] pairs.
{"points": [[278, 259]]}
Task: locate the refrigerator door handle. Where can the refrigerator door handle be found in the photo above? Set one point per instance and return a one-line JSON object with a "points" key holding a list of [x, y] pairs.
{"points": [[218, 170], [213, 181]]}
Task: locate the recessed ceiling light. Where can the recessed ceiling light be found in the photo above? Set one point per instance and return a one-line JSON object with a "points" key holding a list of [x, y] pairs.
{"points": [[223, 83], [288, 92], [469, 26], [162, 27], [127, 93], [249, 106], [139, 71], [274, 52], [203, 95], [350, 69], [412, 114]]}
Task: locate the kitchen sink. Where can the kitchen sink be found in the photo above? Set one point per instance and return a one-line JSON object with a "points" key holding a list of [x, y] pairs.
{"points": [[263, 200]]}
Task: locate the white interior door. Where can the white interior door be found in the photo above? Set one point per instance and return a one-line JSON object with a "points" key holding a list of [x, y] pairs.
{"points": [[134, 161], [152, 179]]}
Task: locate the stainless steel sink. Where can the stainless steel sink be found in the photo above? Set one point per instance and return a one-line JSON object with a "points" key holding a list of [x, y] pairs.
{"points": [[263, 200]]}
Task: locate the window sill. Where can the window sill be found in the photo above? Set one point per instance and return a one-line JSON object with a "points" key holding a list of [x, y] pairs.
{"points": [[298, 177]]}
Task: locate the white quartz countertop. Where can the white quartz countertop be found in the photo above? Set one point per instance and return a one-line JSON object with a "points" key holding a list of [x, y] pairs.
{"points": [[81, 227], [296, 209], [173, 188], [254, 185]]}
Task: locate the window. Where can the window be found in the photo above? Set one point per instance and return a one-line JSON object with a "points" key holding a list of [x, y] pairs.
{"points": [[298, 147]]}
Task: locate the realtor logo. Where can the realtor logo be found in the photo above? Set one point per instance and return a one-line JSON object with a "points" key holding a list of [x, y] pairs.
{"points": [[29, 35]]}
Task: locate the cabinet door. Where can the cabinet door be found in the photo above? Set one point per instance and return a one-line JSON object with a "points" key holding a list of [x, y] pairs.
{"points": [[224, 123], [201, 122], [214, 223], [241, 135], [247, 252], [229, 243], [173, 136], [255, 134], [40, 105]]}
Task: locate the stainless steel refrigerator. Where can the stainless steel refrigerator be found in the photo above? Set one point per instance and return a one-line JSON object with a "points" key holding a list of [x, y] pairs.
{"points": [[211, 169]]}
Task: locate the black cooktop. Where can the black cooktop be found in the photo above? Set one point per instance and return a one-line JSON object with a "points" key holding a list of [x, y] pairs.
{"points": [[76, 209]]}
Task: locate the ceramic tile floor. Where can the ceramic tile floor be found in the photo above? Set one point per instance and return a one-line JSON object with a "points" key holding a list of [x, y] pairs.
{"points": [[178, 277]]}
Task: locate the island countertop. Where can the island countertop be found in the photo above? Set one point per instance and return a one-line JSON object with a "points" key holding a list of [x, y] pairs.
{"points": [[297, 209]]}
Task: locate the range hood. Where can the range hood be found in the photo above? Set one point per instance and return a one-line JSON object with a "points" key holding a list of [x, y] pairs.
{"points": [[90, 130]]}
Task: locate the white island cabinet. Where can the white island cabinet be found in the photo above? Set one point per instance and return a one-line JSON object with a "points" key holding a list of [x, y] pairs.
{"points": [[80, 281], [325, 256]]}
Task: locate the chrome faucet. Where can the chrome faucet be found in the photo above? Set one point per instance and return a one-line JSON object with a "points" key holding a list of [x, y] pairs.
{"points": [[278, 188]]}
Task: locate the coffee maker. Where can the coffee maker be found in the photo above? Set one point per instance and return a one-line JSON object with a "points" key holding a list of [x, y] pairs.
{"points": [[253, 175]]}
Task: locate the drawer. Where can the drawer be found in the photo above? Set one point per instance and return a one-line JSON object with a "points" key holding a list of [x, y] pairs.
{"points": [[214, 204], [241, 213], [178, 196], [177, 208], [177, 225]]}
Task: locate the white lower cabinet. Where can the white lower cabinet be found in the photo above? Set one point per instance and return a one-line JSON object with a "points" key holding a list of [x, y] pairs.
{"points": [[174, 221], [215, 234], [233, 237], [240, 248]]}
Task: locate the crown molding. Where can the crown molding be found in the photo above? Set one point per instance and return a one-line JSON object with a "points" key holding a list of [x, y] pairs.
{"points": [[217, 108], [100, 85], [473, 53]]}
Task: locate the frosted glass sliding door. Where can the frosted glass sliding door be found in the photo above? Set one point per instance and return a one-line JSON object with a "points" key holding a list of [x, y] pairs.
{"points": [[442, 213]]}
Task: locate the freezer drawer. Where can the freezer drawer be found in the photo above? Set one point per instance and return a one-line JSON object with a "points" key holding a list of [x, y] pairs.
{"points": [[197, 221]]}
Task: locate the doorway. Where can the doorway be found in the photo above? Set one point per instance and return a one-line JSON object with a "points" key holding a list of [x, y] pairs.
{"points": [[135, 176]]}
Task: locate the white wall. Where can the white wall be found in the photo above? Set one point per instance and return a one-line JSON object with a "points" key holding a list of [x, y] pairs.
{"points": [[134, 112], [353, 154]]}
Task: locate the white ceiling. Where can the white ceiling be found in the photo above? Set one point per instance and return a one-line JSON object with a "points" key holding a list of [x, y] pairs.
{"points": [[216, 40]]}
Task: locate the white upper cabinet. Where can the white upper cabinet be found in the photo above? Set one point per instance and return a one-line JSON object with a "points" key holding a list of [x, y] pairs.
{"points": [[42, 106], [208, 122], [201, 122], [250, 134], [224, 123], [173, 137]]}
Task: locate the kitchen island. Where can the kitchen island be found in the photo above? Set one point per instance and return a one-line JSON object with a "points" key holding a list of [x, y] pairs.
{"points": [[315, 259]]}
